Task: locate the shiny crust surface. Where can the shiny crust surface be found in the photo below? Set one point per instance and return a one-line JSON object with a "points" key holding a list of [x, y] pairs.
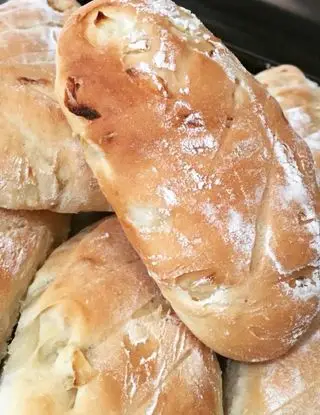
{"points": [[213, 188], [26, 239], [96, 322], [41, 164]]}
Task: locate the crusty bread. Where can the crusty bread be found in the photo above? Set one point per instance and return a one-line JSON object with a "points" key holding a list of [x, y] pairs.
{"points": [[96, 337], [213, 188], [26, 239], [41, 164], [287, 386], [300, 100]]}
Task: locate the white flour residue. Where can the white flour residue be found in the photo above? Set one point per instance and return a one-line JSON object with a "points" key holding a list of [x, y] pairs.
{"points": [[270, 253], [194, 118], [226, 61], [144, 67], [299, 120], [188, 24], [313, 141], [138, 45], [184, 91], [157, 383], [246, 148], [201, 182], [186, 244], [181, 105], [162, 7], [309, 345], [169, 195], [149, 220], [137, 334], [210, 212], [138, 41], [157, 259], [313, 227], [182, 18], [294, 188], [198, 145], [165, 58], [281, 388], [154, 402], [145, 360], [304, 289], [219, 297], [241, 233]]}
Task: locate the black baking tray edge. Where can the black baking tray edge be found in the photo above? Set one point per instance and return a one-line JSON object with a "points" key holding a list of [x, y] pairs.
{"points": [[262, 34]]}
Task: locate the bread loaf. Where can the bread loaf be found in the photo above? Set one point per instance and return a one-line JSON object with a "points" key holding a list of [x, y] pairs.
{"points": [[96, 337], [300, 100], [213, 188], [26, 239], [41, 164], [287, 386]]}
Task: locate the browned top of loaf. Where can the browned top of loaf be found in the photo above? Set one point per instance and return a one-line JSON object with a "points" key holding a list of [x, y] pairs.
{"points": [[202, 168], [108, 339], [220, 179], [41, 164], [300, 100]]}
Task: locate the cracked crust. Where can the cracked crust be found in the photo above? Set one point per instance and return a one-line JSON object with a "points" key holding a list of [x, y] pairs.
{"points": [[218, 192], [97, 323], [26, 239], [41, 163]]}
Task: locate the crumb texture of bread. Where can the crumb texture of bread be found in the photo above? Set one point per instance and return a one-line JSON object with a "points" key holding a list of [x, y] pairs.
{"points": [[287, 386], [26, 239], [300, 100], [218, 193], [42, 166], [96, 337]]}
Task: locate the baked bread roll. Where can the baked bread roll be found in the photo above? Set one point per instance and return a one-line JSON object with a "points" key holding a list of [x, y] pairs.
{"points": [[26, 239], [213, 188], [41, 164], [300, 100], [96, 337], [287, 386]]}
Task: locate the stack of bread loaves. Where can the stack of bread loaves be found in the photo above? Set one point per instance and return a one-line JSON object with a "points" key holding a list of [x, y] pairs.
{"points": [[215, 191]]}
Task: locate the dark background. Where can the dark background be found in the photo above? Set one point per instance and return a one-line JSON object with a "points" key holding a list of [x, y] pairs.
{"points": [[263, 32]]}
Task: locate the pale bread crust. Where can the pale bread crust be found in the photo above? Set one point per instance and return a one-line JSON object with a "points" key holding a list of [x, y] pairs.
{"points": [[26, 239], [41, 164], [300, 100], [289, 385], [213, 188], [96, 337]]}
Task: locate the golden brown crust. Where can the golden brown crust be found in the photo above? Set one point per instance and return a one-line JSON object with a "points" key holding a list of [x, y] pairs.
{"points": [[300, 100], [218, 193], [289, 385], [41, 164], [97, 323], [26, 239]]}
